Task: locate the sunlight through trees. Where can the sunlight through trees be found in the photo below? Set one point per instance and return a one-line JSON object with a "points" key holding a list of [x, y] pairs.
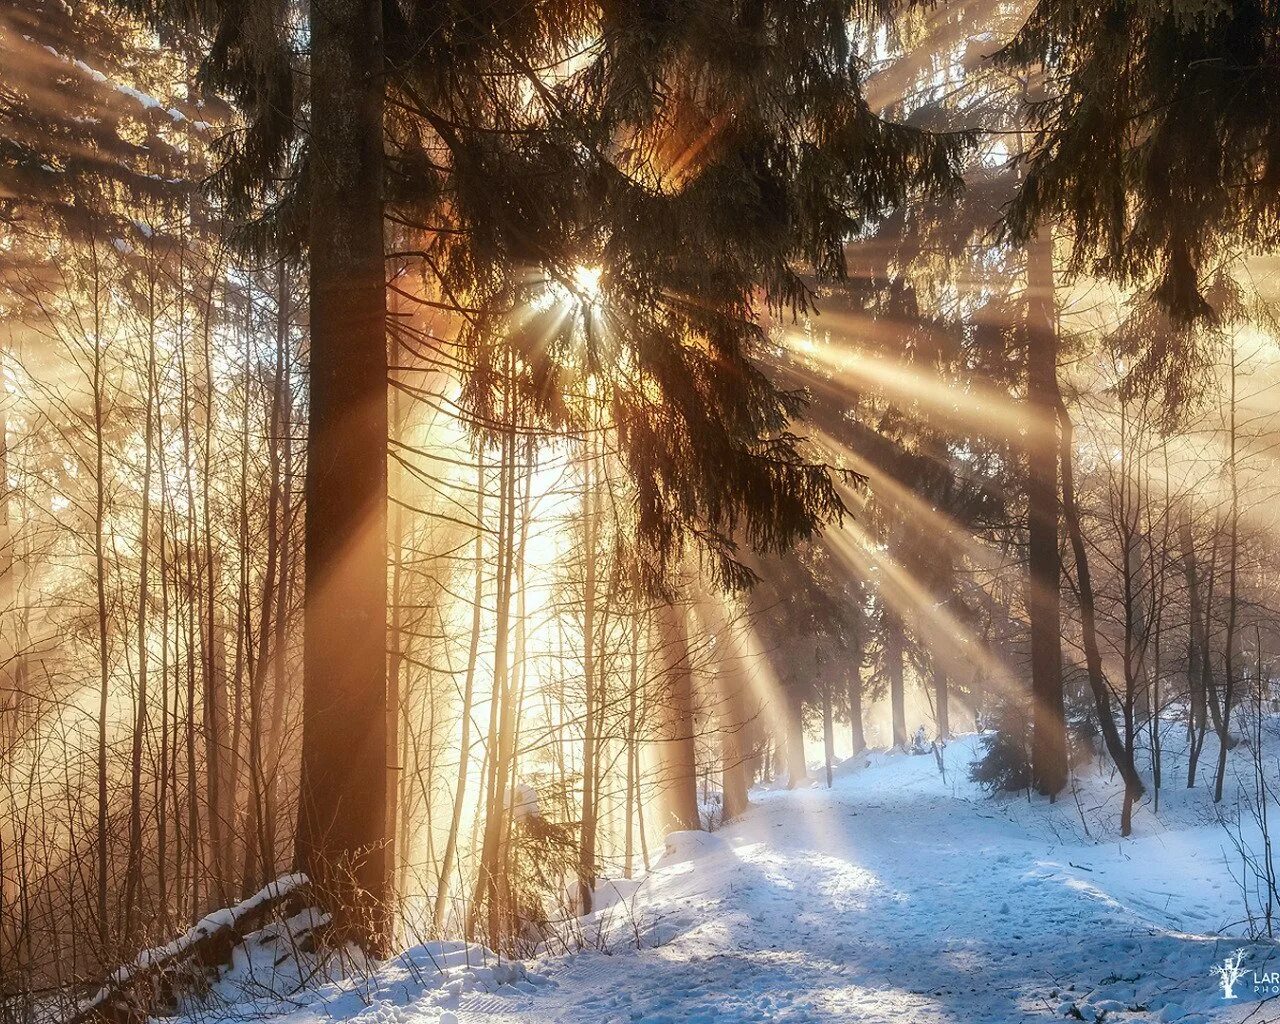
{"points": [[447, 449]]}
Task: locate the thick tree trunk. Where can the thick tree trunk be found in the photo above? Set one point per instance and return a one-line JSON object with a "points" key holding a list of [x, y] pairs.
{"points": [[343, 804], [1049, 740], [395, 641], [946, 587], [735, 780], [732, 711], [857, 731], [678, 773], [793, 715], [736, 711]]}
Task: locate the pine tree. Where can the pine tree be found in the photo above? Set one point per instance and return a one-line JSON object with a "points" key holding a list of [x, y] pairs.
{"points": [[1145, 152], [695, 156], [84, 143]]}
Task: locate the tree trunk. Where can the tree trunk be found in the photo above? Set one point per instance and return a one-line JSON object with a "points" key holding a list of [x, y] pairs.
{"points": [[735, 780], [251, 759], [1197, 651], [284, 389], [133, 880], [857, 731], [678, 774], [490, 885], [1088, 620], [941, 698], [1049, 739], [9, 692], [100, 579], [1229, 642], [395, 640], [798, 768], [894, 644], [828, 734], [587, 842], [468, 692], [162, 782], [632, 741], [342, 809], [220, 768]]}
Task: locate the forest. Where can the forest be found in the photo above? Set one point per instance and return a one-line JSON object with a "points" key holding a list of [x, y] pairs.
{"points": [[574, 510]]}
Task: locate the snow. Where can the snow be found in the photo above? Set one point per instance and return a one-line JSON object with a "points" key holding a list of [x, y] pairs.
{"points": [[681, 847], [143, 99], [897, 895], [525, 801], [222, 918], [271, 979]]}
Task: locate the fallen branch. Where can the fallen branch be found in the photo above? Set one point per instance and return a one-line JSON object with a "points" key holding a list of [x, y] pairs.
{"points": [[127, 995]]}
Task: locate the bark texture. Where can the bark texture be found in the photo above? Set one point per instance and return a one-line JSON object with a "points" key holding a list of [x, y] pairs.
{"points": [[342, 813], [1049, 739]]}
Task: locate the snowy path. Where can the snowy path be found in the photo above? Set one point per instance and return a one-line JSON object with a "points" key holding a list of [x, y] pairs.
{"points": [[896, 897]]}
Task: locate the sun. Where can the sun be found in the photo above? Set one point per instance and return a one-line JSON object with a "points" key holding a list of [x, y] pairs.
{"points": [[586, 282]]}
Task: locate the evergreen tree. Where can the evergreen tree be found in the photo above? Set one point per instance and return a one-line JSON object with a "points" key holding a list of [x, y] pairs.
{"points": [[694, 153], [1155, 147], [89, 129]]}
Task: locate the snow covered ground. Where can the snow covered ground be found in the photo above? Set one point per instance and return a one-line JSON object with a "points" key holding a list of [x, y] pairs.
{"points": [[895, 896]]}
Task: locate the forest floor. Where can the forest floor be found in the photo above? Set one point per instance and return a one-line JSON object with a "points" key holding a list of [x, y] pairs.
{"points": [[897, 895]]}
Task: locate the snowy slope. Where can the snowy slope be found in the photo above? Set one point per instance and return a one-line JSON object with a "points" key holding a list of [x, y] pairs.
{"points": [[898, 896], [895, 896]]}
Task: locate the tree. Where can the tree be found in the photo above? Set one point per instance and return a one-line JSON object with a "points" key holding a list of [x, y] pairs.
{"points": [[342, 807], [1120, 753], [1143, 152], [685, 234], [1049, 731], [678, 773]]}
